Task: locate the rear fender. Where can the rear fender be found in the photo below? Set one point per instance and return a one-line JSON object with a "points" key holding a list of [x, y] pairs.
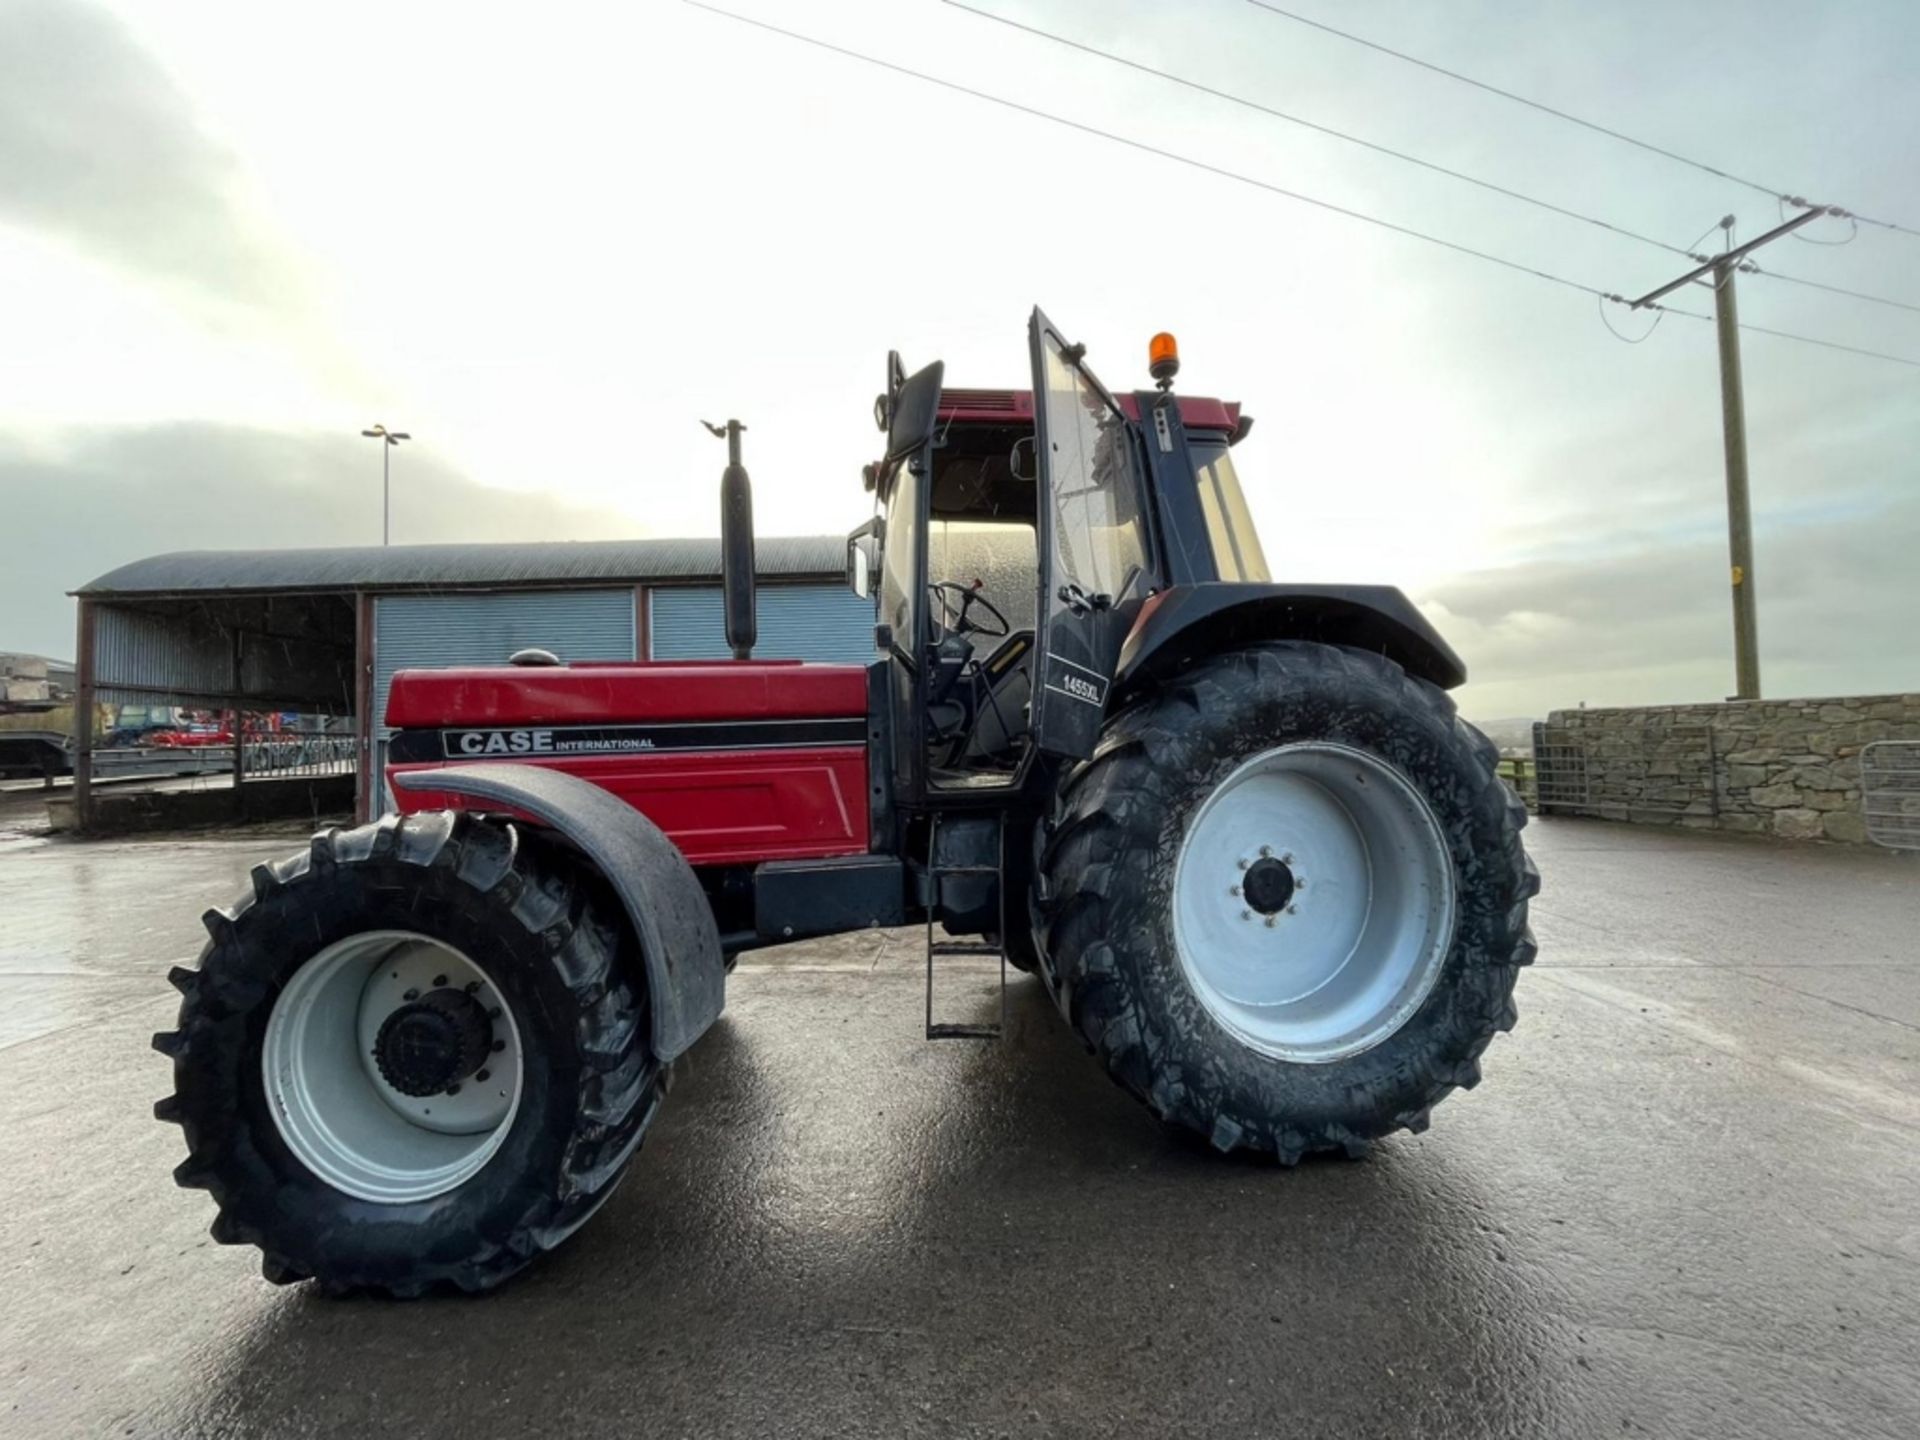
{"points": [[679, 942], [1187, 621]]}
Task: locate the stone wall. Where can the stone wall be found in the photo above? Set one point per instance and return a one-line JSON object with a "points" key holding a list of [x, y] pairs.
{"points": [[1782, 767]]}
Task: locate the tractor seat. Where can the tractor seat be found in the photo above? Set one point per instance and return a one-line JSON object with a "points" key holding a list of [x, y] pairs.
{"points": [[1003, 686], [980, 728]]}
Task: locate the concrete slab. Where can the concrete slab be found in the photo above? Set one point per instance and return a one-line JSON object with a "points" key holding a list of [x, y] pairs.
{"points": [[1683, 1202]]}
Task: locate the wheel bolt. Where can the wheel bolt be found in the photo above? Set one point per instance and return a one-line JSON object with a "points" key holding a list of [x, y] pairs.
{"points": [[1233, 890], [411, 995], [1242, 864], [1293, 909], [481, 1076], [454, 1089], [1246, 914], [1272, 920], [1265, 850], [472, 986], [438, 981], [498, 1046], [494, 1013], [1287, 859]]}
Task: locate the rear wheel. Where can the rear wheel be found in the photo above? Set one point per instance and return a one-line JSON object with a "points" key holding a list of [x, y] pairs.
{"points": [[412, 1057], [1285, 902]]}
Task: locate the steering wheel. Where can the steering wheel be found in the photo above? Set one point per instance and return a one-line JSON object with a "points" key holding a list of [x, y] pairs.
{"points": [[957, 615]]}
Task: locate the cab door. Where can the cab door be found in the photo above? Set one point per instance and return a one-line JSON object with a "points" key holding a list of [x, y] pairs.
{"points": [[904, 477], [1096, 549]]}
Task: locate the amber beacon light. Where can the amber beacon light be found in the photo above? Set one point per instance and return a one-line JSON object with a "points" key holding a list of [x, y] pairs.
{"points": [[1163, 359]]}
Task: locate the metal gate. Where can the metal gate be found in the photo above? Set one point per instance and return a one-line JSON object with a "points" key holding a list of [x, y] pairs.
{"points": [[1652, 772], [1559, 770], [1890, 793]]}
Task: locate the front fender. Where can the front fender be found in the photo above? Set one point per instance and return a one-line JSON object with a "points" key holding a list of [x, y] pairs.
{"points": [[1182, 623], [679, 942]]}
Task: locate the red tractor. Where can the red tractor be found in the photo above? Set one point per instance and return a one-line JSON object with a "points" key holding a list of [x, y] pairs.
{"points": [[1264, 870]]}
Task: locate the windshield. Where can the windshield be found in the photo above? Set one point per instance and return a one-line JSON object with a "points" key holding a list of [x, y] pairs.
{"points": [[1236, 545]]}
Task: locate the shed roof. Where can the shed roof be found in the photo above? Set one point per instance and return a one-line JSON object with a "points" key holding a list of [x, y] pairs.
{"points": [[444, 567]]}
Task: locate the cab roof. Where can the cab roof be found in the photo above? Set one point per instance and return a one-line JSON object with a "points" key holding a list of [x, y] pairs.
{"points": [[1010, 407]]}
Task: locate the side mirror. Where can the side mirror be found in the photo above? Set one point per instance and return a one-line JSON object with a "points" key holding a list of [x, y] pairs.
{"points": [[883, 402], [863, 559], [913, 411]]}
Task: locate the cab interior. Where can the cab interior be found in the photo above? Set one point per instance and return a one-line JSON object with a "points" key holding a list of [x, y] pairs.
{"points": [[982, 588]]}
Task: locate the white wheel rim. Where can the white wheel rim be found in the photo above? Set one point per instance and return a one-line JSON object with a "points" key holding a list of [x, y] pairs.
{"points": [[342, 1118], [1313, 901]]}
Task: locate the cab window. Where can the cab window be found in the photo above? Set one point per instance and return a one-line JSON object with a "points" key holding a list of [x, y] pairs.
{"points": [[899, 557], [1099, 532], [1236, 545]]}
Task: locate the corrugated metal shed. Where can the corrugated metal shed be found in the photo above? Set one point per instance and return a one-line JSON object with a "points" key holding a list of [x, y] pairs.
{"points": [[184, 658], [443, 567], [293, 652]]}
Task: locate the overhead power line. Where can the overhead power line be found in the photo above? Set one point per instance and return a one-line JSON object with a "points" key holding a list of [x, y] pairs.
{"points": [[1250, 104], [1754, 269], [1221, 171], [1314, 125], [1790, 335], [1142, 146], [1766, 190], [1660, 313], [1769, 190]]}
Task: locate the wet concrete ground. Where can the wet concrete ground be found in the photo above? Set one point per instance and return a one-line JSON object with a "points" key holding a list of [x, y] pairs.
{"points": [[1686, 1201]]}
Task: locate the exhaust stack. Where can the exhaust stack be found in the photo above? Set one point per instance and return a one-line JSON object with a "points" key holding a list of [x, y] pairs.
{"points": [[736, 544]]}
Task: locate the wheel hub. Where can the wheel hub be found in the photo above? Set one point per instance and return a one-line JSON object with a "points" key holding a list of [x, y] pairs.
{"points": [[1269, 885], [393, 1066], [1313, 982], [433, 1043]]}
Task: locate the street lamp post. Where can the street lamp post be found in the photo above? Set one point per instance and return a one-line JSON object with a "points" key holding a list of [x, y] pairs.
{"points": [[390, 438]]}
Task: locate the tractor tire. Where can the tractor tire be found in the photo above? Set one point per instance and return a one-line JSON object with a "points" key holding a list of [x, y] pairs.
{"points": [[495, 981], [1285, 902], [1023, 950]]}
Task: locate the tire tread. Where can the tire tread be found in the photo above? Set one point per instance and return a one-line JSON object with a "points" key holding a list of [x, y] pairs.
{"points": [[620, 1083], [1114, 805]]}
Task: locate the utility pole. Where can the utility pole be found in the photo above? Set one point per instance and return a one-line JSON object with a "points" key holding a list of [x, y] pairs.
{"points": [[1733, 420], [389, 439]]}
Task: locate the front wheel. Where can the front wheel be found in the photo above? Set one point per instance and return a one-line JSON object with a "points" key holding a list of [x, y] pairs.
{"points": [[1286, 900], [414, 1056]]}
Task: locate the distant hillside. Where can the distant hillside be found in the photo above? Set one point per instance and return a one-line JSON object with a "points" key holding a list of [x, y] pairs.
{"points": [[1510, 734]]}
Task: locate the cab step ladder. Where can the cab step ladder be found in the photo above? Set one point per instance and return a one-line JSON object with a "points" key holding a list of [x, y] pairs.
{"points": [[936, 872]]}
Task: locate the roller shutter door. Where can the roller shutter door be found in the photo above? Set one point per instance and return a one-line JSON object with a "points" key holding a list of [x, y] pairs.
{"points": [[485, 628], [796, 622]]}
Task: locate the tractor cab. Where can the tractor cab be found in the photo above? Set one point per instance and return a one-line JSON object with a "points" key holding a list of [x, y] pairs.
{"points": [[1018, 541]]}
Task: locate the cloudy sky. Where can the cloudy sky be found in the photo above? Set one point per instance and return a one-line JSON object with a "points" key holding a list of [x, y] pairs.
{"points": [[549, 240]]}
